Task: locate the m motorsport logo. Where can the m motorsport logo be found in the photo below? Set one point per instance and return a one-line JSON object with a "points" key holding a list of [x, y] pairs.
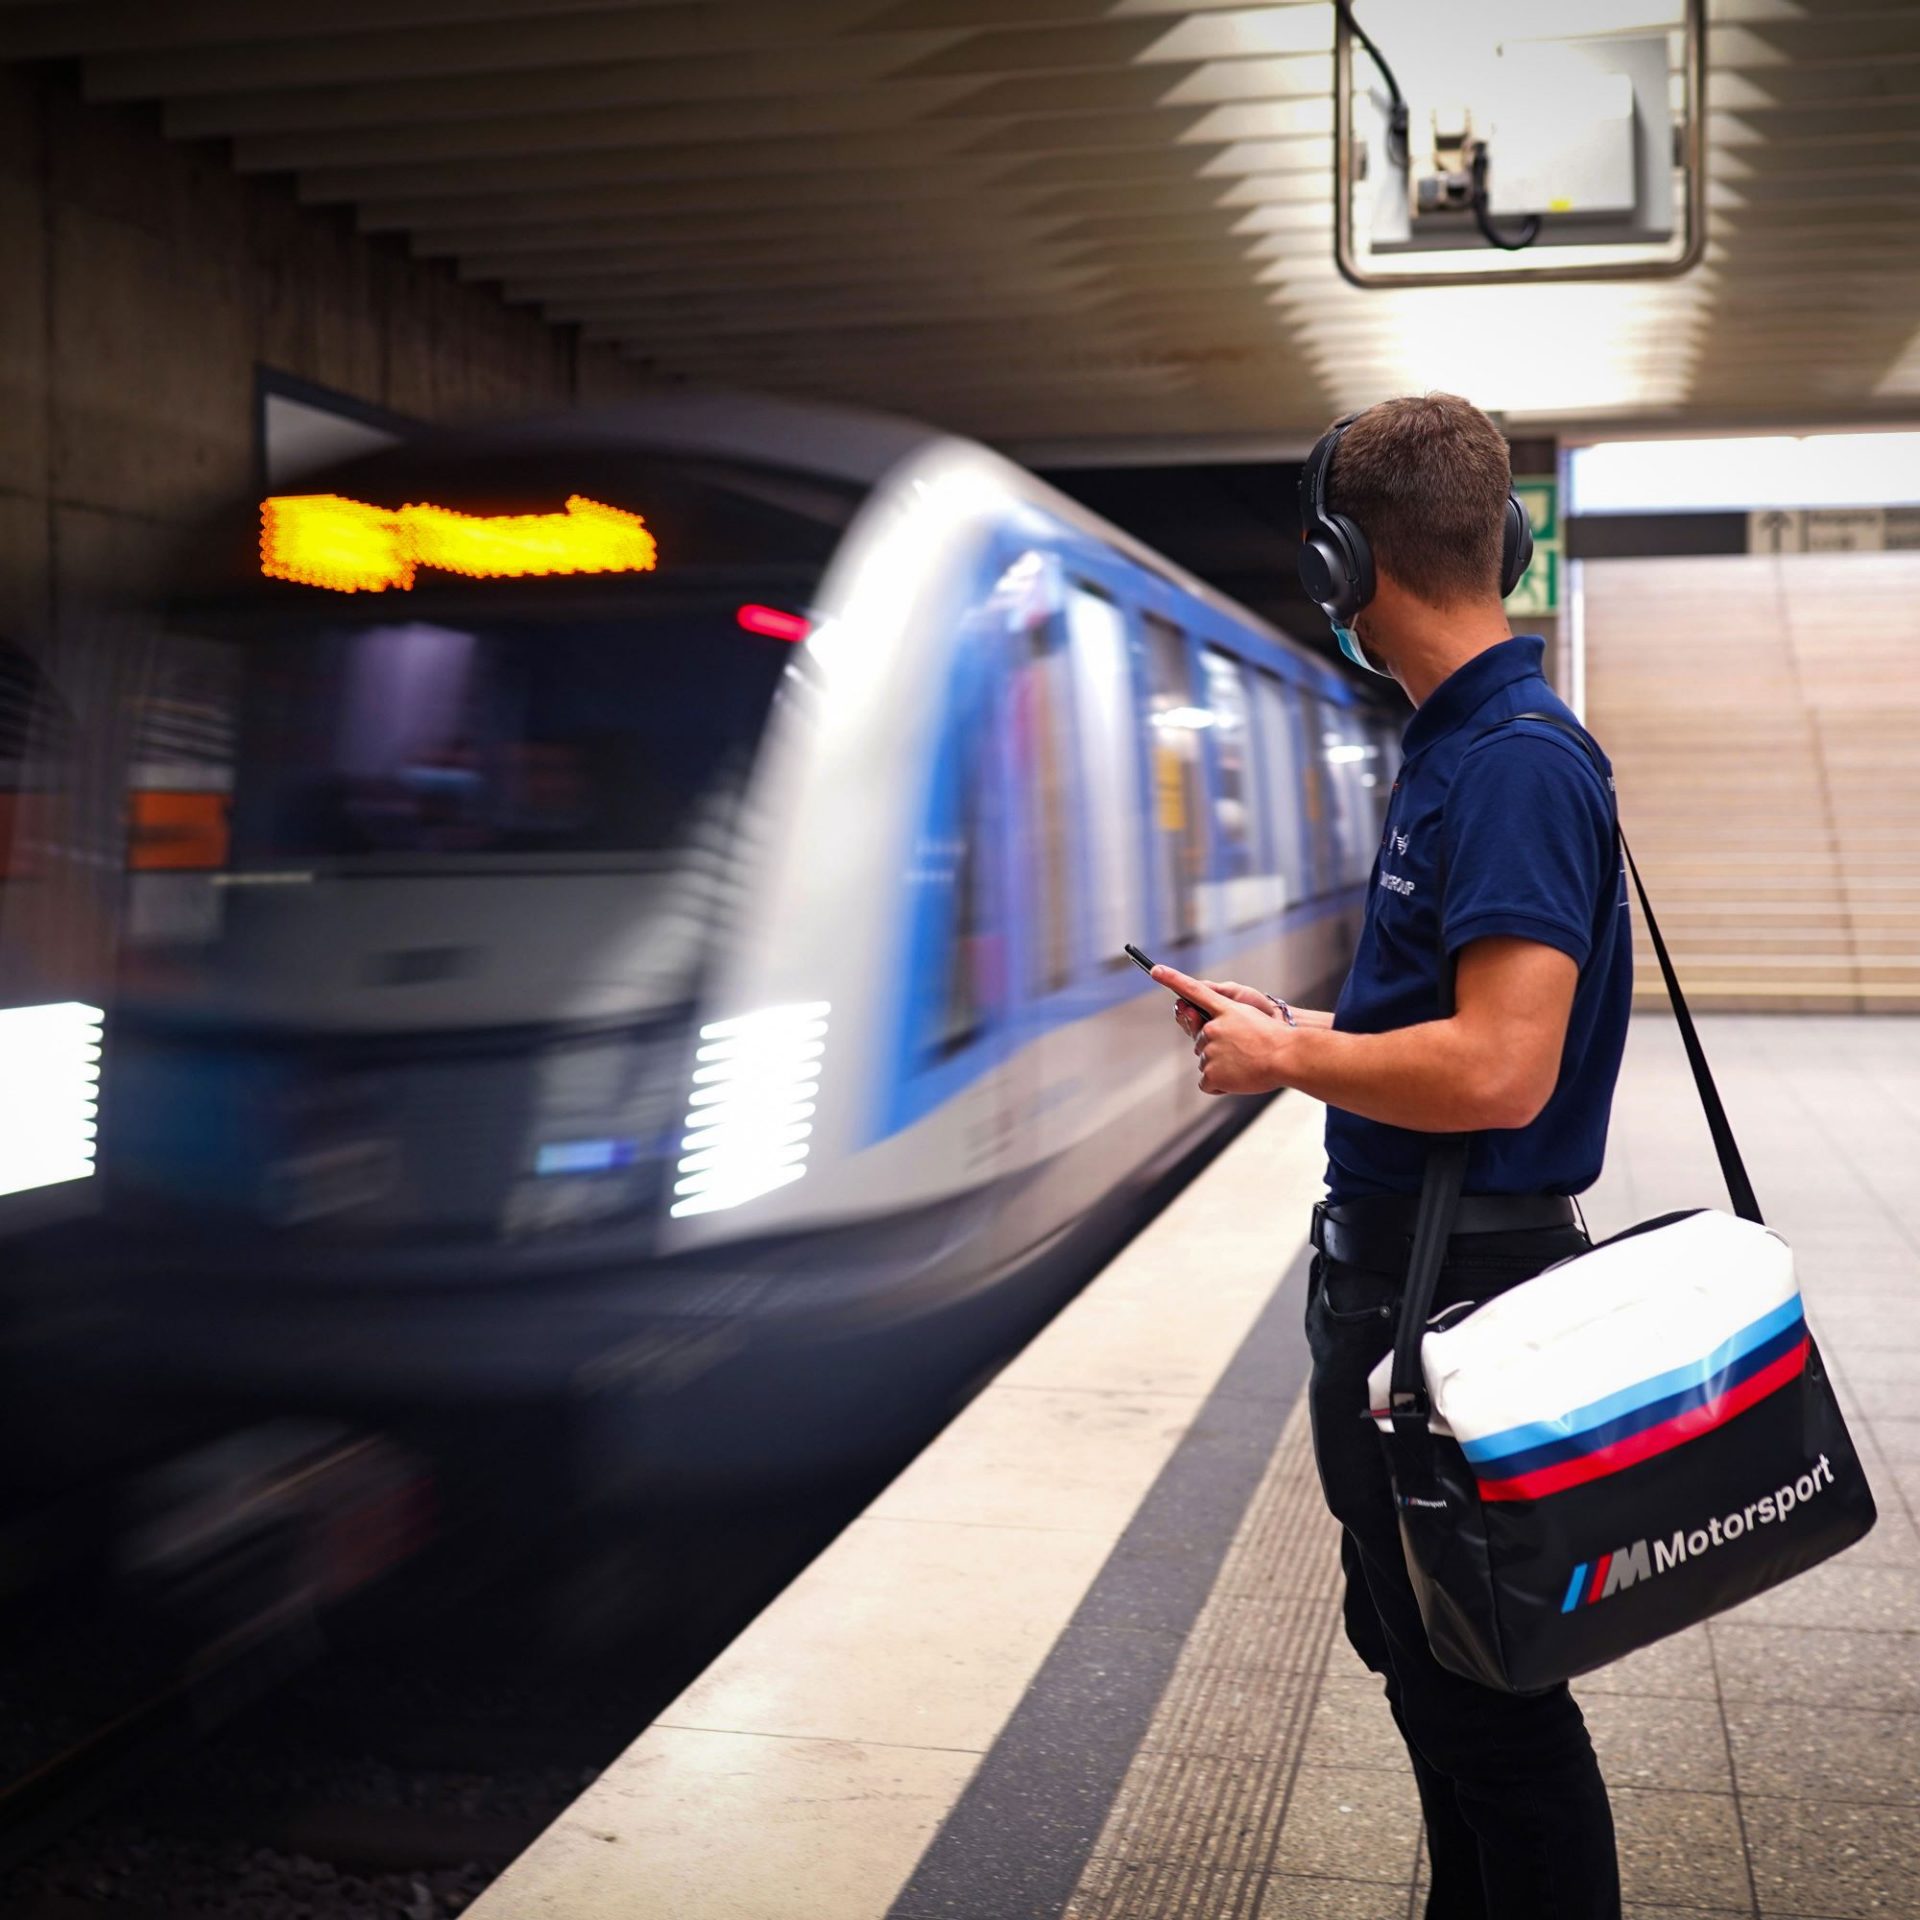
{"points": [[1626, 1566]]}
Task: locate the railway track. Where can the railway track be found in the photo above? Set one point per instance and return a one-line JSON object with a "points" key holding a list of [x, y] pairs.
{"points": [[391, 1776]]}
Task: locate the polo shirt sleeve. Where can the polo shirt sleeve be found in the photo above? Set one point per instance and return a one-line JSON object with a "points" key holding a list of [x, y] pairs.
{"points": [[1528, 836]]}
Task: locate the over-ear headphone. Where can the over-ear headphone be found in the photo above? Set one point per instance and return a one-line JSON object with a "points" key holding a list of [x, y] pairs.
{"points": [[1336, 563]]}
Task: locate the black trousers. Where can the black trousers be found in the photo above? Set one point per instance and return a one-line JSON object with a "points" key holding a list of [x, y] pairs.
{"points": [[1518, 1826]]}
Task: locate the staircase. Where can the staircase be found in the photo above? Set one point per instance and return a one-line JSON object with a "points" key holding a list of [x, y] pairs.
{"points": [[1763, 718]]}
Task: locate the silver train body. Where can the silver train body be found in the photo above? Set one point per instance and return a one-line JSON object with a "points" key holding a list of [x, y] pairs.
{"points": [[727, 1136]]}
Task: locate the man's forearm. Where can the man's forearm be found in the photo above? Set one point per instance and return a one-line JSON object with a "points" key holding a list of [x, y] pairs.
{"points": [[1434, 1078]]}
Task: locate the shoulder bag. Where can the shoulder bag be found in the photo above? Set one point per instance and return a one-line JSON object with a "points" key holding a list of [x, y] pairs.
{"points": [[1636, 1438]]}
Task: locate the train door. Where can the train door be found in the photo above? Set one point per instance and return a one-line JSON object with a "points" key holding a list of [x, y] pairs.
{"points": [[1277, 720], [1047, 1081], [1126, 1048], [1108, 765], [1245, 854], [1093, 1059], [1353, 834], [954, 1059], [1175, 719]]}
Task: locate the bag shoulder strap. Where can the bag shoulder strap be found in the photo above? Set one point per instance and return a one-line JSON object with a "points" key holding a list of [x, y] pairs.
{"points": [[1447, 1156], [1732, 1167]]}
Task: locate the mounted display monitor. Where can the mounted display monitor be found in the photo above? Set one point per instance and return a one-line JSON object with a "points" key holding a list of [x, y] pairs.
{"points": [[1476, 146]]}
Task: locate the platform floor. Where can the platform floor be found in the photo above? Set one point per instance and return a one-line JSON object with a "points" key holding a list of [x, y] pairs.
{"points": [[1082, 1658]]}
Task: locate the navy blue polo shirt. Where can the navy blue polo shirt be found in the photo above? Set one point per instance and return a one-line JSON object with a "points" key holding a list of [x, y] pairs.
{"points": [[1526, 825]]}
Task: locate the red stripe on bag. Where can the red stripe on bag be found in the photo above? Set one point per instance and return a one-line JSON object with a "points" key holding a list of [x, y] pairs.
{"points": [[1599, 1579], [1642, 1446]]}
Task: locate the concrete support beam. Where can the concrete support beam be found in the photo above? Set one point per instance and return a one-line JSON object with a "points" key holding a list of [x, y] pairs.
{"points": [[740, 231], [634, 163], [540, 37], [840, 194], [734, 237], [744, 256], [736, 78], [64, 29], [799, 117], [806, 273], [780, 304], [777, 323]]}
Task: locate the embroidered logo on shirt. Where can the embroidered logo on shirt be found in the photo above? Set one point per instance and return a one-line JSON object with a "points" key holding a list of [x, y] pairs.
{"points": [[1394, 883]]}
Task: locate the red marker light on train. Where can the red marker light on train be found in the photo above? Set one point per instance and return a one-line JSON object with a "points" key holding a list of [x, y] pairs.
{"points": [[773, 623]]}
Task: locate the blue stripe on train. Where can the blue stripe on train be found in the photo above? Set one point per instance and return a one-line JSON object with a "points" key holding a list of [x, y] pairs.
{"points": [[1583, 1420]]}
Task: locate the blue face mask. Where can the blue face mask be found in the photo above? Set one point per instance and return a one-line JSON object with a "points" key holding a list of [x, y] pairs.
{"points": [[1351, 647]]}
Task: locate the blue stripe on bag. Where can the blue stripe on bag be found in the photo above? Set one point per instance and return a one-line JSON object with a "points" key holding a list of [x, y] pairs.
{"points": [[1571, 1446], [1583, 1420]]}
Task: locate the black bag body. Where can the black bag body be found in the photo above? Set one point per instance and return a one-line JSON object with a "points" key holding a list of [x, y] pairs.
{"points": [[1633, 1440]]}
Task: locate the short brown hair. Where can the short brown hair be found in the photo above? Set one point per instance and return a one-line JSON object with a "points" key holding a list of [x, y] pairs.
{"points": [[1426, 477]]}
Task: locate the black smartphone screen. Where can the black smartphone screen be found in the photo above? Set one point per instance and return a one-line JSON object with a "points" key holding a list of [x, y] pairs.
{"points": [[1145, 965]]}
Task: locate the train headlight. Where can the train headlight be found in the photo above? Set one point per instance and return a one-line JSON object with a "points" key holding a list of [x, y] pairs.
{"points": [[751, 1110], [49, 1082]]}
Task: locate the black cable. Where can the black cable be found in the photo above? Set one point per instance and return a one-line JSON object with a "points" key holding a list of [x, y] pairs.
{"points": [[1397, 119], [1483, 220]]}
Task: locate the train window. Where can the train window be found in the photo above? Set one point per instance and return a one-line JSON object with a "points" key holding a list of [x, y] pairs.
{"points": [[1351, 759], [1042, 716], [972, 987], [1179, 833], [1244, 844], [578, 716], [1026, 604], [529, 736], [1103, 700], [1273, 716]]}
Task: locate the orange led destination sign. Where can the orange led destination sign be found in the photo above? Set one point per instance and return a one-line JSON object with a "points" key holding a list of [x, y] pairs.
{"points": [[327, 540]]}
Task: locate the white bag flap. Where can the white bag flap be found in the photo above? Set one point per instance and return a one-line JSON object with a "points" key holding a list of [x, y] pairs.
{"points": [[1653, 1315]]}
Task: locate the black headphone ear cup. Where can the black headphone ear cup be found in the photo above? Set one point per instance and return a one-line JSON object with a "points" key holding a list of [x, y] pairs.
{"points": [[1516, 546], [1336, 568], [1323, 571]]}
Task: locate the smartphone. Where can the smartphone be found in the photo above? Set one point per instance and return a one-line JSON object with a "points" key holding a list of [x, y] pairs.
{"points": [[1145, 965]]}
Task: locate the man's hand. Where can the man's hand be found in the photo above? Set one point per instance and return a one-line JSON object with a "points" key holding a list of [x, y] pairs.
{"points": [[1191, 1017], [1238, 1043]]}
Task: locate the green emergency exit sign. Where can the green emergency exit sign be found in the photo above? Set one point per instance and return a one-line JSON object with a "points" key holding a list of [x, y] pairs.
{"points": [[1539, 590]]}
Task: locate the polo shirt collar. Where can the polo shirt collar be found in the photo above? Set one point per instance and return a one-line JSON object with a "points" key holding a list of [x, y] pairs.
{"points": [[1467, 689]]}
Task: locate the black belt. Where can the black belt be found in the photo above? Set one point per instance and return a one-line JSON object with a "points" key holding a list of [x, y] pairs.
{"points": [[1376, 1231]]}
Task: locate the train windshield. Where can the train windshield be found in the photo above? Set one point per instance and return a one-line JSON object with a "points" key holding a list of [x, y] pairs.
{"points": [[437, 738], [569, 656]]}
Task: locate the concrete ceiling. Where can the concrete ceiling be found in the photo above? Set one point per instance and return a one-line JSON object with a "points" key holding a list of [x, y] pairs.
{"points": [[1051, 222]]}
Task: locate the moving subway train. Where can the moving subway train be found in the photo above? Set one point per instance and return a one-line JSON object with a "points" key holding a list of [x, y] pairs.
{"points": [[627, 917]]}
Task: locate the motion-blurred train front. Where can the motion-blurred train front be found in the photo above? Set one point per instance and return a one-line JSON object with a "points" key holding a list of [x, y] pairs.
{"points": [[626, 922]]}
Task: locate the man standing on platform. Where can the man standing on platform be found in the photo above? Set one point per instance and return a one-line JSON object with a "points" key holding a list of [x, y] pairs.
{"points": [[1499, 857]]}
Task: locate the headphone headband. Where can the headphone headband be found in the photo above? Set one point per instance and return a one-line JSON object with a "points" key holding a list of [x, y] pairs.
{"points": [[1313, 478]]}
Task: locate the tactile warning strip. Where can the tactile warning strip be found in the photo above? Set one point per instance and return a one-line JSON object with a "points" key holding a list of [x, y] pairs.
{"points": [[1197, 1824]]}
